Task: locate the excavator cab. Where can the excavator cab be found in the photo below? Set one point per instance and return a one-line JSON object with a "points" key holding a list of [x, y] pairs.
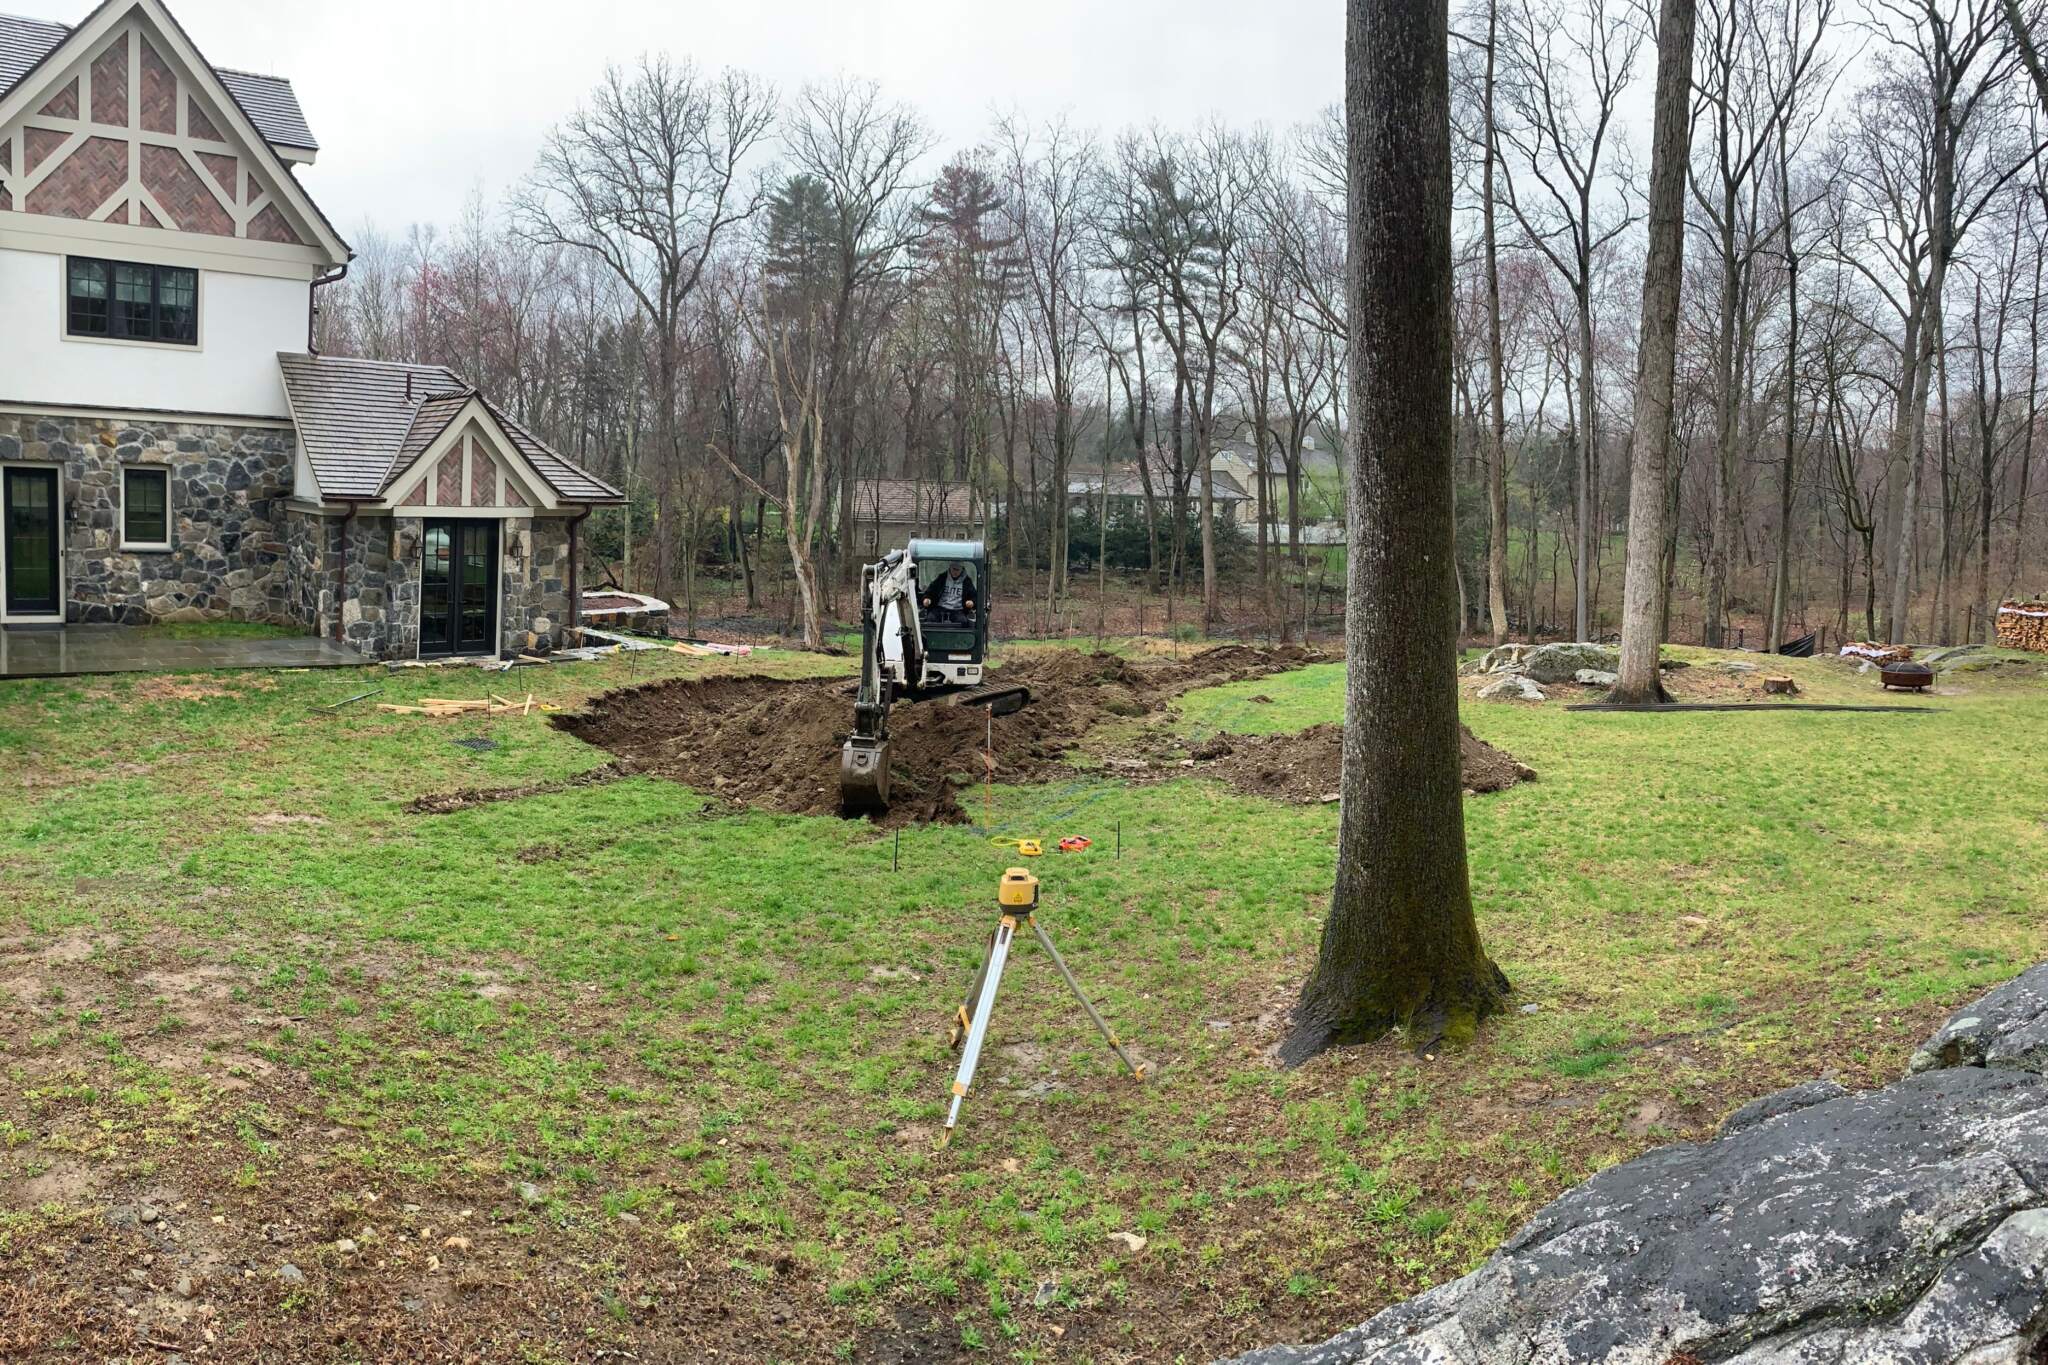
{"points": [[952, 608], [924, 634]]}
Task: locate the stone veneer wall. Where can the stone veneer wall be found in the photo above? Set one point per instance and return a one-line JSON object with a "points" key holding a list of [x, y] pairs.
{"points": [[536, 586], [380, 609], [309, 570], [228, 555], [380, 606]]}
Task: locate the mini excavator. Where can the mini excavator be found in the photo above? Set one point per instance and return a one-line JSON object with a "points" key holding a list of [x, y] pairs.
{"points": [[924, 614]]}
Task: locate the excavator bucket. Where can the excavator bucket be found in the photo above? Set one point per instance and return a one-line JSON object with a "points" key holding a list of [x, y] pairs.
{"points": [[864, 776]]}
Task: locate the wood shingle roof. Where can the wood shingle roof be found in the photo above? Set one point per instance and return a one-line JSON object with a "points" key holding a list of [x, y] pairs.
{"points": [[364, 422]]}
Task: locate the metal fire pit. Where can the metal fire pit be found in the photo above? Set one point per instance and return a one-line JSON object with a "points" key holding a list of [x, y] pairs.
{"points": [[1907, 675]]}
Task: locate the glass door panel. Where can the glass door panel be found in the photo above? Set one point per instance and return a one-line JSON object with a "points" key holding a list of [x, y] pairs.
{"points": [[436, 579], [458, 587], [474, 635], [28, 507]]}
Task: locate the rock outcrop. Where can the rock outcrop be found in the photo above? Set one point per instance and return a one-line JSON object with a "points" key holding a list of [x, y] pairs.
{"points": [[1557, 663], [1511, 687], [2007, 1028], [1907, 1226]]}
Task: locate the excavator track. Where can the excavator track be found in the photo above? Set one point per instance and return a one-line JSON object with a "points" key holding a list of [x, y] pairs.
{"points": [[999, 699]]}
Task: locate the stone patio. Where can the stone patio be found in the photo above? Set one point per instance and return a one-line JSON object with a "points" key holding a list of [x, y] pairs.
{"points": [[67, 651]]}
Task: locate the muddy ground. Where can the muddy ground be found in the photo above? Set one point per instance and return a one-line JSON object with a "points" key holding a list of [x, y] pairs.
{"points": [[774, 743]]}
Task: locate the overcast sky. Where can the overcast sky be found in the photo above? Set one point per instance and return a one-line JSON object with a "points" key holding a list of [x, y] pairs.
{"points": [[416, 102]]}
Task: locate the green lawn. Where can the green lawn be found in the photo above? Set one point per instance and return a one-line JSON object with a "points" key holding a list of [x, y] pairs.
{"points": [[243, 984]]}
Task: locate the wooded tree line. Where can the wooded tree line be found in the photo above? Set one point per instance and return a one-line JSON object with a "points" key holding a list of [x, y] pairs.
{"points": [[746, 304]]}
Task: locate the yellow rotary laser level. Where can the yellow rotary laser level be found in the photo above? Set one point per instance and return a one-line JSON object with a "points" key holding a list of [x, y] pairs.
{"points": [[1017, 901]]}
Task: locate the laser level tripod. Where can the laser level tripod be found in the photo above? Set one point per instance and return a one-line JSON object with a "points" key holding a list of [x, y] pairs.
{"points": [[1017, 898]]}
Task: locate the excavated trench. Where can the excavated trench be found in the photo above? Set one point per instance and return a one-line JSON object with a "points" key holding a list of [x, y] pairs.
{"points": [[773, 743]]}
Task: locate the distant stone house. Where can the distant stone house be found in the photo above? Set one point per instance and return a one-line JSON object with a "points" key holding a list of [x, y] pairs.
{"points": [[889, 512], [170, 448]]}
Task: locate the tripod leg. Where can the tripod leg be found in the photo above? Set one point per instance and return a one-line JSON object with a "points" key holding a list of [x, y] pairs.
{"points": [[977, 1029], [1045, 942], [964, 1016]]}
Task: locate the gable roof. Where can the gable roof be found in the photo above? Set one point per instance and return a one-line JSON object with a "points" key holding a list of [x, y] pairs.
{"points": [[269, 101], [20, 90], [364, 422]]}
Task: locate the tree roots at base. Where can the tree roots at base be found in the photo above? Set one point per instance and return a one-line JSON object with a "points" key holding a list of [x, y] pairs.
{"points": [[1448, 1016]]}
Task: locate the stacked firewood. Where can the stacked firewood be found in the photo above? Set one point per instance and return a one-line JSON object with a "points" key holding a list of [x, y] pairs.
{"points": [[1877, 653], [2023, 625]]}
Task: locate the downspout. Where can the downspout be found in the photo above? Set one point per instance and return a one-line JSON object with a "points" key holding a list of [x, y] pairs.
{"points": [[341, 579], [576, 569], [313, 307]]}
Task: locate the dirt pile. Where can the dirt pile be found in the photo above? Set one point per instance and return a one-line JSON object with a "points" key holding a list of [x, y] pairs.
{"points": [[1304, 767], [774, 743]]}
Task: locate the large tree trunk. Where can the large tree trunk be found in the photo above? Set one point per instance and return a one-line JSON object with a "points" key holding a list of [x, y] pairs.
{"points": [[1642, 610], [1401, 947], [1913, 440], [1497, 453], [1582, 539], [1727, 411], [1775, 628], [1940, 228], [1212, 609]]}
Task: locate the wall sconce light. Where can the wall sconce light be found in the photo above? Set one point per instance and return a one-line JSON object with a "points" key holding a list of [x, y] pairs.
{"points": [[408, 542]]}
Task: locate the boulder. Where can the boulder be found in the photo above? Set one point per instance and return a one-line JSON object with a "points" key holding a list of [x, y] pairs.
{"points": [[1557, 663], [1968, 663], [2007, 1028], [1738, 666], [1779, 1103], [1511, 687], [1907, 1225], [1595, 677], [1947, 652]]}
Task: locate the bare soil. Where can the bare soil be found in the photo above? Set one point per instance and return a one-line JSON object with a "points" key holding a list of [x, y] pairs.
{"points": [[1303, 767], [774, 743]]}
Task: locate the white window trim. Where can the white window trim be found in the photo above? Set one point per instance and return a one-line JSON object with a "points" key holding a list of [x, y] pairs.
{"points": [[146, 546]]}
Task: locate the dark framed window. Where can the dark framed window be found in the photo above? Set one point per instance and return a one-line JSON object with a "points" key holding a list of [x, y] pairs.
{"points": [[125, 301], [145, 507]]}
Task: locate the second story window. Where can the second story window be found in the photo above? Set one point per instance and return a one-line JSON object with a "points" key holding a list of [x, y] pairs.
{"points": [[121, 301]]}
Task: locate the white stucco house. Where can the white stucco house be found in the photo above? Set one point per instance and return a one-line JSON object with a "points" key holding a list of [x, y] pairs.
{"points": [[171, 447]]}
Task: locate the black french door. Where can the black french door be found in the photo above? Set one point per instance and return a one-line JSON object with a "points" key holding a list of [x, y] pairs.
{"points": [[459, 588], [28, 512]]}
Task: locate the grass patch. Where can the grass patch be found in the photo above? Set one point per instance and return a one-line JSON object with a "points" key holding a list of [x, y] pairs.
{"points": [[714, 1039]]}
